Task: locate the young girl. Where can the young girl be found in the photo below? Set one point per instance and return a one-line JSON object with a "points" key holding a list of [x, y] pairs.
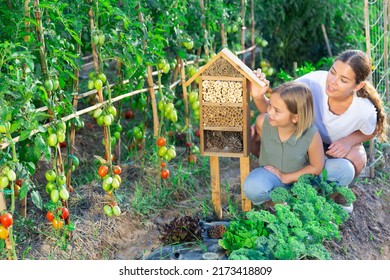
{"points": [[290, 142]]}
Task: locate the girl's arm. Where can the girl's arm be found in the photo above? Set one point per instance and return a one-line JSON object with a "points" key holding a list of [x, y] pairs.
{"points": [[258, 93], [315, 166]]}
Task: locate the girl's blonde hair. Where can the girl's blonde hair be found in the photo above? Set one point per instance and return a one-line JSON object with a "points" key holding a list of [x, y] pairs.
{"points": [[361, 65], [298, 98]]}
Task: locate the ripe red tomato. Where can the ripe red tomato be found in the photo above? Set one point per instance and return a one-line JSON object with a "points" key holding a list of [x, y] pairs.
{"points": [[49, 216], [6, 219], [161, 141], [163, 164], [117, 169], [64, 213], [197, 133], [63, 144], [128, 114], [164, 173], [103, 170]]}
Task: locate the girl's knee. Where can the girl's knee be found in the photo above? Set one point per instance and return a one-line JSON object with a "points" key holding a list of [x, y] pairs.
{"points": [[358, 157], [340, 170]]}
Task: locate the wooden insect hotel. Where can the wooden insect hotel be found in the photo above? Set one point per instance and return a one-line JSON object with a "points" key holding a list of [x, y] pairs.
{"points": [[224, 99]]}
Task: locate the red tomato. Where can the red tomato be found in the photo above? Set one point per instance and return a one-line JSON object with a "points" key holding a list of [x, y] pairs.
{"points": [[117, 169], [103, 170], [163, 164], [6, 220], [49, 216], [64, 213], [161, 141], [128, 114], [164, 173]]}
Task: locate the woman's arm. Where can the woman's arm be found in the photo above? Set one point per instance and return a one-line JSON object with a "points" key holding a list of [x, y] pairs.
{"points": [[315, 166], [341, 147]]}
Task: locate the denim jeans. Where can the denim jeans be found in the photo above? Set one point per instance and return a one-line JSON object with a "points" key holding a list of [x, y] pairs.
{"points": [[259, 183], [340, 170]]}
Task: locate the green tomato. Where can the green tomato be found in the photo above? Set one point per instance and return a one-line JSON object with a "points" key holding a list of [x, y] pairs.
{"points": [[64, 194], [107, 120], [112, 110], [61, 136], [195, 105], [193, 96], [95, 39], [3, 182], [91, 84], [117, 135], [171, 152], [116, 210], [49, 85], [102, 77], [100, 120], [108, 210], [115, 183], [52, 140], [162, 151], [98, 84], [61, 179], [173, 116], [50, 175], [101, 39], [50, 186], [138, 135], [97, 113], [55, 195], [11, 175]]}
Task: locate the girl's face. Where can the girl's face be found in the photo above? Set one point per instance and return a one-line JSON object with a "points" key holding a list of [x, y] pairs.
{"points": [[341, 80], [279, 115]]}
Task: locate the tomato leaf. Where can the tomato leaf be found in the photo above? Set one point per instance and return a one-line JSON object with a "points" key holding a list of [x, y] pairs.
{"points": [[36, 199]]}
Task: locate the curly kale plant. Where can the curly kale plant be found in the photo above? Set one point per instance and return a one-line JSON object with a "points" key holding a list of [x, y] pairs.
{"points": [[303, 220]]}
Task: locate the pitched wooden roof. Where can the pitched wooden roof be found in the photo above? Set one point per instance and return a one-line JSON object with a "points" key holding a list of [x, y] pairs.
{"points": [[235, 62]]}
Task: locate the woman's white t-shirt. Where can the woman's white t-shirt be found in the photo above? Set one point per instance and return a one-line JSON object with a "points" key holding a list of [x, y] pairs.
{"points": [[361, 114]]}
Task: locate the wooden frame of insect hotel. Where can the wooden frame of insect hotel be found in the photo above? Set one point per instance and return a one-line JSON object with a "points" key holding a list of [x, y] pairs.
{"points": [[224, 100]]}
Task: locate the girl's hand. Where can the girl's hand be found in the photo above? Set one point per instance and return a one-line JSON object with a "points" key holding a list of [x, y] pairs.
{"points": [[258, 92], [277, 172], [339, 148]]}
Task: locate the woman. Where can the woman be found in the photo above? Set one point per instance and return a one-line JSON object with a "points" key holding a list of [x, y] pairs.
{"points": [[348, 112]]}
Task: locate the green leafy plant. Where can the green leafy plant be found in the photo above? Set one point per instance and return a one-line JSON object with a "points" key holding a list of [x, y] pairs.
{"points": [[302, 221]]}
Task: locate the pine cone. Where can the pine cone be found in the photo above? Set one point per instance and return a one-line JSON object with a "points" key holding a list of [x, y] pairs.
{"points": [[216, 231]]}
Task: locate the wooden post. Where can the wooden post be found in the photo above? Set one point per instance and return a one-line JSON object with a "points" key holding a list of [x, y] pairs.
{"points": [[244, 171], [253, 41], [3, 205], [215, 185]]}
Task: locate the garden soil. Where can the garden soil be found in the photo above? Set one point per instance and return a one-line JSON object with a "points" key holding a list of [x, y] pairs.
{"points": [[365, 235]]}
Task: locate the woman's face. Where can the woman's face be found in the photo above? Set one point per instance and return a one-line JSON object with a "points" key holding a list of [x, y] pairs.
{"points": [[341, 80]]}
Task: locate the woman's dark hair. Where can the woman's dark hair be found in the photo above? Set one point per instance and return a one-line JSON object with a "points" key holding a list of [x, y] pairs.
{"points": [[361, 65]]}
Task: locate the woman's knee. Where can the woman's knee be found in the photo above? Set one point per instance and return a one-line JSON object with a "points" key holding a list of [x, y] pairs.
{"points": [[358, 157]]}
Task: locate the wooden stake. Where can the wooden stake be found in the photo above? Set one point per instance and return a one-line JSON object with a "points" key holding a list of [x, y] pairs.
{"points": [[216, 185], [244, 171]]}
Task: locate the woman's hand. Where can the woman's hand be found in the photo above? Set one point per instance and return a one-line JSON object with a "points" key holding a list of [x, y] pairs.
{"points": [[277, 172], [258, 92], [339, 148]]}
